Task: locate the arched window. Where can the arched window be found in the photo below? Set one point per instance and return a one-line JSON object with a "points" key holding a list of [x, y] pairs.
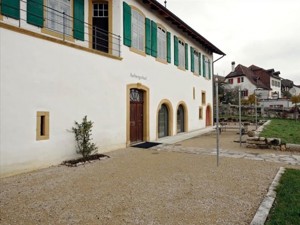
{"points": [[180, 119], [163, 121]]}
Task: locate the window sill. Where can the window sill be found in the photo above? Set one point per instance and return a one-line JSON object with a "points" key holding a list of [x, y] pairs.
{"points": [[164, 61], [137, 51], [57, 34], [181, 68]]}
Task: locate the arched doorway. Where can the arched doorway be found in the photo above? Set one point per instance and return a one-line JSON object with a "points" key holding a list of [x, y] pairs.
{"points": [[180, 119], [136, 115], [208, 115], [163, 121]]}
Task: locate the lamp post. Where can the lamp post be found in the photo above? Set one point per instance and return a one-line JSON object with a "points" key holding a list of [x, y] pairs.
{"points": [[217, 118], [255, 111], [240, 117]]}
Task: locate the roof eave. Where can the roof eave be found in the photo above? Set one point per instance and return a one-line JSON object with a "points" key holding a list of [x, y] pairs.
{"points": [[168, 15]]}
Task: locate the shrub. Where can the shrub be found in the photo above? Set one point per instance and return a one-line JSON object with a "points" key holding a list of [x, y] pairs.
{"points": [[83, 132]]}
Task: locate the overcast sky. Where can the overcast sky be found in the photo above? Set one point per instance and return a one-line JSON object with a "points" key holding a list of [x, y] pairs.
{"points": [[261, 32]]}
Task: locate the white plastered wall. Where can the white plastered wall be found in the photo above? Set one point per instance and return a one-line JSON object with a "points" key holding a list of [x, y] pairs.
{"points": [[38, 75]]}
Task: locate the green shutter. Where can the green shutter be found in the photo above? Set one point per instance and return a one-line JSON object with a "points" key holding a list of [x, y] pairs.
{"points": [[192, 60], [153, 39], [11, 8], [148, 36], [79, 19], [126, 24], [35, 12], [175, 50], [209, 70], [203, 63], [186, 56], [169, 47], [199, 63]]}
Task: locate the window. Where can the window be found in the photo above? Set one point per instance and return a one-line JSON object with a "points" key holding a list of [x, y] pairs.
{"points": [[196, 62], [42, 126], [203, 95], [206, 67], [239, 80], [230, 81], [161, 44], [244, 93], [138, 30], [273, 83], [200, 113], [181, 54], [242, 79], [58, 16]]}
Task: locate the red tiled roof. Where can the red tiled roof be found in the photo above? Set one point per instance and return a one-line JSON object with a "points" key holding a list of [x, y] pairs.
{"points": [[254, 78]]}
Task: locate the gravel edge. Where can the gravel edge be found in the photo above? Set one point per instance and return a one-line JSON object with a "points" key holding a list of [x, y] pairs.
{"points": [[264, 208]]}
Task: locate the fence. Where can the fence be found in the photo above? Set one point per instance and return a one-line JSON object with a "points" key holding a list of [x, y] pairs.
{"points": [[59, 21]]}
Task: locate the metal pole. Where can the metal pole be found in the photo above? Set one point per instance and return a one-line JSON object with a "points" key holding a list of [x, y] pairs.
{"points": [[217, 119], [64, 26], [240, 117], [255, 111]]}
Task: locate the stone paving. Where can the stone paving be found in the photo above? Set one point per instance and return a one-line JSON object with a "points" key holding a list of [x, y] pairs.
{"points": [[291, 159]]}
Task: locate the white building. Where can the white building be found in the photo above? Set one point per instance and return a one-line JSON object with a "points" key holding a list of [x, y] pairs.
{"points": [[133, 67], [264, 83]]}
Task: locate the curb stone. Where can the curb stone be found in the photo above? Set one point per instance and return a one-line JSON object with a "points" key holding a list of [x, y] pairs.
{"points": [[264, 208]]}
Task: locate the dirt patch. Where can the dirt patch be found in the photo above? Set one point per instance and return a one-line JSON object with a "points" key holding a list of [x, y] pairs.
{"points": [[81, 161], [139, 187]]}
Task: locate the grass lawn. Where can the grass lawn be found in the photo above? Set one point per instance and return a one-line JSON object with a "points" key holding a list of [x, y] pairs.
{"points": [[286, 207], [287, 130]]}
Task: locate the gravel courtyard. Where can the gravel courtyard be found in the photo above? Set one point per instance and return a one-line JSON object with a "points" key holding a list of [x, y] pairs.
{"points": [[138, 186]]}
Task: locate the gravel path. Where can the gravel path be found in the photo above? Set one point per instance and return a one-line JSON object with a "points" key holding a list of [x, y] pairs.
{"points": [[139, 187]]}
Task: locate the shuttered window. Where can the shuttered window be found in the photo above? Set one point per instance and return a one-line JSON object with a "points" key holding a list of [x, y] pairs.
{"points": [[35, 12], [176, 51], [209, 68], [199, 58], [153, 39], [181, 54], [11, 8], [148, 36], [192, 59], [196, 60], [162, 44], [203, 66], [126, 24], [186, 50], [79, 19], [137, 30], [169, 47], [55, 19]]}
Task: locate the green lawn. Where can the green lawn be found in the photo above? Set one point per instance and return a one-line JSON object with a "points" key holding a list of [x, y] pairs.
{"points": [[286, 207], [287, 130]]}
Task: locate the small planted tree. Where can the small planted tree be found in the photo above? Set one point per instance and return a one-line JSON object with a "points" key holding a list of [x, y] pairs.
{"points": [[83, 132]]}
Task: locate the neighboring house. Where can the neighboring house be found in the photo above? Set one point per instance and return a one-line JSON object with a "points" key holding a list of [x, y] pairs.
{"points": [[133, 67], [264, 83]]}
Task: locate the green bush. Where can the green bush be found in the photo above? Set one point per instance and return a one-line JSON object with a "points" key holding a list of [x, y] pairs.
{"points": [[83, 132]]}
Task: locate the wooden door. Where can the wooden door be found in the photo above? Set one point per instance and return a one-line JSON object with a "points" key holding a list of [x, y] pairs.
{"points": [[136, 115], [208, 116]]}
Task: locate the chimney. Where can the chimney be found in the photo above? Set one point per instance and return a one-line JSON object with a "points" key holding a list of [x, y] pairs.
{"points": [[232, 66]]}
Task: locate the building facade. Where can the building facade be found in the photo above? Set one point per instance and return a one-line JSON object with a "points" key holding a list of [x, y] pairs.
{"points": [[255, 80], [133, 67]]}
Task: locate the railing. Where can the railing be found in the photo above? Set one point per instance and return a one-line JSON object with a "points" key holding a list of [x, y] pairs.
{"points": [[61, 25]]}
